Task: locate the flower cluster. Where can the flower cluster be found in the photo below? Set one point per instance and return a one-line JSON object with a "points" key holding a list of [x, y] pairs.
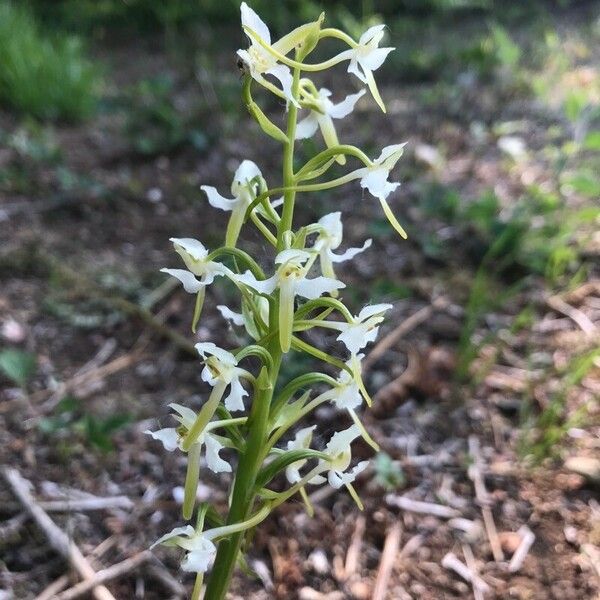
{"points": [[298, 291]]}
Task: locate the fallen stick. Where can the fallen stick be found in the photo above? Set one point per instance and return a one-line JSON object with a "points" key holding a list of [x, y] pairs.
{"points": [[577, 316], [354, 550], [472, 566], [58, 585], [114, 366], [401, 330], [453, 563], [57, 538], [63, 581], [161, 574], [527, 539], [476, 476], [86, 504], [388, 556], [105, 575], [425, 508]]}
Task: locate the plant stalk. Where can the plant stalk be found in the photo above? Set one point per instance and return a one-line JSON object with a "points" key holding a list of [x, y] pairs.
{"points": [[244, 493]]}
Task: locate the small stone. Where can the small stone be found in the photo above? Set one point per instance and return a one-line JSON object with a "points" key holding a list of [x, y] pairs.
{"points": [[360, 590], [570, 534], [586, 466], [154, 195], [12, 331], [510, 541], [318, 562]]}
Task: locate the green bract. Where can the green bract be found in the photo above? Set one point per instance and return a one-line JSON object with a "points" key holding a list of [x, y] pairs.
{"points": [[296, 291]]}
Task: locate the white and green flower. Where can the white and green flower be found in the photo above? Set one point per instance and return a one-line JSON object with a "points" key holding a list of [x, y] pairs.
{"points": [[331, 232], [221, 370], [172, 438], [200, 548], [367, 57], [339, 450], [300, 442], [363, 328], [291, 280], [201, 271], [258, 60]]}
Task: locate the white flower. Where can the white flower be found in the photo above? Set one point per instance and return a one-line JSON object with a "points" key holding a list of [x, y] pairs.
{"points": [[363, 329], [374, 178], [201, 550], [346, 395], [338, 448], [171, 438], [329, 239], [291, 280], [366, 58], [221, 368], [245, 186], [258, 59], [300, 442], [201, 271], [323, 118]]}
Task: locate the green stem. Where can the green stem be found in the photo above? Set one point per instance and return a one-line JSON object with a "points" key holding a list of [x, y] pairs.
{"points": [[244, 494], [287, 215]]}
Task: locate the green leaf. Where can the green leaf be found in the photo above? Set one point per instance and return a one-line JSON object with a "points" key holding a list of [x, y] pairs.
{"points": [[389, 473], [592, 141], [17, 365]]}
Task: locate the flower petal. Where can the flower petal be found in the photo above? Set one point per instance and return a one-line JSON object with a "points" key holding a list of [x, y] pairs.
{"points": [[265, 286], [235, 400], [284, 75], [313, 288], [375, 180], [350, 253], [186, 530], [168, 436], [374, 59], [216, 200], [190, 284], [220, 354], [190, 246], [214, 462], [199, 559], [186, 415], [373, 34], [346, 106], [307, 127], [373, 309], [251, 20], [293, 255]]}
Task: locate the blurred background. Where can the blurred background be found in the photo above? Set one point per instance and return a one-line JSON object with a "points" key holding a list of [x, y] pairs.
{"points": [[114, 112]]}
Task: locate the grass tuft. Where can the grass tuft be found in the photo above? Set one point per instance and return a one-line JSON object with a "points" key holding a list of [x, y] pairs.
{"points": [[41, 74]]}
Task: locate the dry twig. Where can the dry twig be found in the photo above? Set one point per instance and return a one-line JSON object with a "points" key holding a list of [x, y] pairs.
{"points": [[58, 539], [453, 563], [476, 475], [105, 575], [388, 556], [527, 539], [577, 316], [426, 508], [354, 550]]}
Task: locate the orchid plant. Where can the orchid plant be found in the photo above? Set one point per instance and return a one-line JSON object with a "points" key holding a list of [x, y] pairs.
{"points": [[298, 291]]}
